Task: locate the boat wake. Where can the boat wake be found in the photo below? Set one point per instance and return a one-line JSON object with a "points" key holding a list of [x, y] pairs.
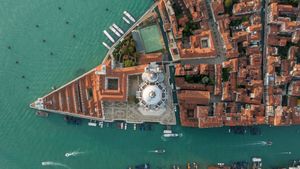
{"points": [[258, 143], [286, 153], [52, 163], [73, 153]]}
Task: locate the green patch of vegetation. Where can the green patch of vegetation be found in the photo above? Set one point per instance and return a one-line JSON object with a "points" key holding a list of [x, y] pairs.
{"points": [[188, 29], [126, 48], [238, 22], [129, 63], [225, 74], [200, 79], [229, 6], [294, 3], [283, 51]]}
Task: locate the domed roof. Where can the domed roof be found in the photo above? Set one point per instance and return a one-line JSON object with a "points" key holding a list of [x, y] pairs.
{"points": [[152, 94], [150, 76]]}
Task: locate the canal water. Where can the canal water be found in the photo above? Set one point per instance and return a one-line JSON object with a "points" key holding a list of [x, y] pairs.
{"points": [[48, 43]]}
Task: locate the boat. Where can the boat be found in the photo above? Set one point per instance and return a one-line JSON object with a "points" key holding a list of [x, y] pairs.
{"points": [[158, 151], [142, 166], [126, 20], [129, 16], [256, 163], [100, 124], [114, 31], [104, 44], [122, 125], [93, 124], [125, 126], [41, 114], [269, 143], [167, 131], [118, 28], [108, 36], [134, 126], [172, 135]]}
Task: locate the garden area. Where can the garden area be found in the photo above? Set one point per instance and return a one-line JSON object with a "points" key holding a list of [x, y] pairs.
{"points": [[229, 6], [125, 52], [225, 74], [200, 79]]}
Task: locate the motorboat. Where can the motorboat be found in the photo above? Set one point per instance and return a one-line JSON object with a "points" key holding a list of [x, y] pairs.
{"points": [[158, 151], [100, 124], [114, 31], [129, 16], [108, 36], [269, 143], [104, 44], [118, 28], [93, 124], [167, 131], [171, 135], [126, 20], [134, 126], [125, 126]]}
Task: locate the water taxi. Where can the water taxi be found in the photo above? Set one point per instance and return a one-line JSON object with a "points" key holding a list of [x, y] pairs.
{"points": [[172, 135], [108, 36], [129, 16], [126, 20], [118, 28], [104, 44], [114, 31]]}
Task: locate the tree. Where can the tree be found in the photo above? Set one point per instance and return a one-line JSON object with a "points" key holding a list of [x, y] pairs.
{"points": [[228, 3], [128, 63], [205, 80]]}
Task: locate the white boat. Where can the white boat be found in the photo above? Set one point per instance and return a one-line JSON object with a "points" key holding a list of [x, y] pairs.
{"points": [[171, 135], [125, 126], [92, 124], [114, 31], [106, 45], [108, 36], [167, 131], [129, 16], [126, 20], [158, 151], [122, 125], [118, 28], [134, 126], [100, 124]]}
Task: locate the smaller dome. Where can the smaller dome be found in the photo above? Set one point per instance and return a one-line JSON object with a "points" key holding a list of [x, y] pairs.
{"points": [[150, 77]]}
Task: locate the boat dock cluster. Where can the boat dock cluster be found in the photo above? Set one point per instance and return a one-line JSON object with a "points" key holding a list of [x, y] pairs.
{"points": [[116, 29]]}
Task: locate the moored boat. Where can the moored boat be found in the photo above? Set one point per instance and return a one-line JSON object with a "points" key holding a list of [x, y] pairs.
{"points": [[104, 44], [126, 20], [92, 123], [114, 31], [108, 36], [118, 28], [129, 16]]}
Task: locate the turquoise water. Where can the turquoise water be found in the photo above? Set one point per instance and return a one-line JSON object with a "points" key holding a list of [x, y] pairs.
{"points": [[27, 140]]}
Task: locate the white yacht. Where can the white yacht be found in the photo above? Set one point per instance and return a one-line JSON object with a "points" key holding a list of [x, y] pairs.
{"points": [[106, 45], [108, 36], [126, 20], [114, 31], [129, 16], [118, 28]]}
